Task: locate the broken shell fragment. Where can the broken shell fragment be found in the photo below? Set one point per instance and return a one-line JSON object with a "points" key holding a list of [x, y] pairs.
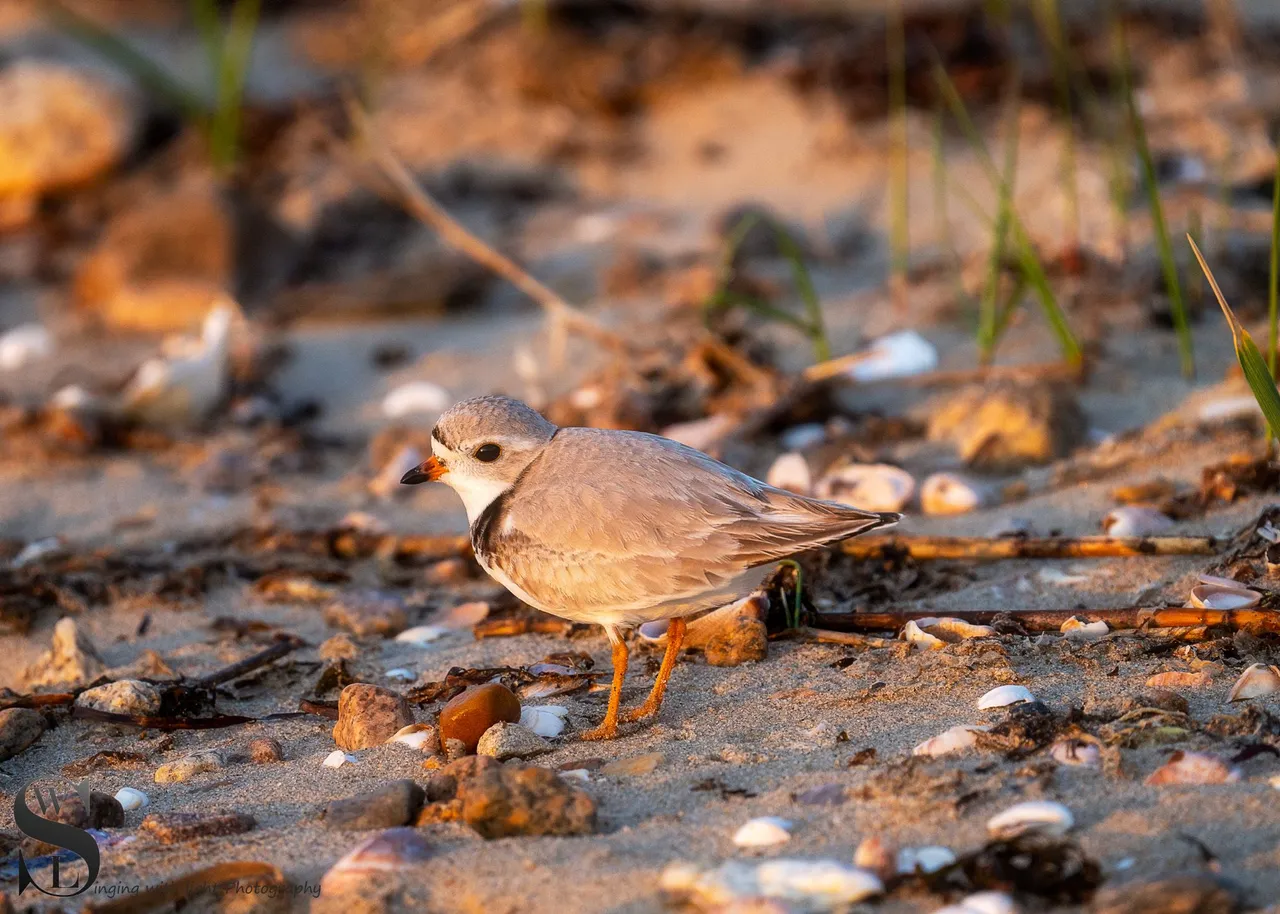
{"points": [[765, 831], [422, 635], [131, 799], [1215, 596], [1041, 816], [895, 355], [872, 487], [1193, 768], [544, 720], [1259, 679], [337, 758], [914, 634], [947, 493], [423, 737], [982, 903], [957, 739], [1078, 753], [811, 885], [1221, 581], [1076, 629], [958, 629], [1135, 520], [924, 859], [1003, 696], [375, 858], [790, 472]]}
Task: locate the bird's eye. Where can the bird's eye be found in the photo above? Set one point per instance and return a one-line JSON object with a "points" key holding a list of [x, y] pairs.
{"points": [[488, 453]]}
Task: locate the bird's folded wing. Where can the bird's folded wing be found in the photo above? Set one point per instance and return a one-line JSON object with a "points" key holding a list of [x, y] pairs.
{"points": [[651, 522]]}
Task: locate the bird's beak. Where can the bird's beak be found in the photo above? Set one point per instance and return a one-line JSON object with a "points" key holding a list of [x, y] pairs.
{"points": [[428, 471]]}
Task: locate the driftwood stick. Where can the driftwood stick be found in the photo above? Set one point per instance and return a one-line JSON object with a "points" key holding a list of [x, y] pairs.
{"points": [[179, 889], [823, 636], [419, 204], [284, 645], [1050, 620], [1048, 547], [1049, 371]]}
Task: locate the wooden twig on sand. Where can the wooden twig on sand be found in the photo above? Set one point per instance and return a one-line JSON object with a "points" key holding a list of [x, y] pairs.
{"points": [[833, 637], [564, 317], [1050, 620], [1046, 547], [1043, 371], [283, 646]]}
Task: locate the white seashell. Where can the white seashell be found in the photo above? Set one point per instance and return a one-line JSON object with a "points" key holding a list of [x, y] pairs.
{"points": [[1215, 596], [790, 472], [1078, 630], [544, 720], [373, 859], [422, 635], [401, 674], [957, 739], [1221, 582], [1259, 679], [1135, 520], [1226, 408], [895, 355], [982, 903], [765, 831], [131, 799], [916, 635], [416, 398], [1003, 696], [1193, 768], [337, 758], [189, 380], [416, 736], [810, 885], [1076, 752], [870, 486], [653, 631], [24, 343], [956, 628], [947, 493], [924, 859], [1042, 816], [800, 437]]}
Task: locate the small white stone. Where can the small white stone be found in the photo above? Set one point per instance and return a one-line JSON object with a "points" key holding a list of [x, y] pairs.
{"points": [[544, 720], [337, 758], [1042, 816], [505, 741], [1003, 696], [131, 799], [416, 397], [765, 831], [928, 859]]}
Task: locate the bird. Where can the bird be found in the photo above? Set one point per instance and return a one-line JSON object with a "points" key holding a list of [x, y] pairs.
{"points": [[618, 528]]}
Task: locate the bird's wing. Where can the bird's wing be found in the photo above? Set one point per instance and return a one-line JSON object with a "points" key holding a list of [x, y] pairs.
{"points": [[628, 520]]}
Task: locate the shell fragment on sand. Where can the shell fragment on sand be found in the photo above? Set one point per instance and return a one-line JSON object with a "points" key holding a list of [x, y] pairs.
{"points": [[1039, 816], [1003, 696]]}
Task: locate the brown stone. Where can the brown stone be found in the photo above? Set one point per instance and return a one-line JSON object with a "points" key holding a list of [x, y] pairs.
{"points": [[1007, 425], [1175, 895], [365, 614], [175, 827], [390, 805], [264, 751], [104, 811], [734, 634], [369, 716], [19, 728], [500, 801], [475, 710]]}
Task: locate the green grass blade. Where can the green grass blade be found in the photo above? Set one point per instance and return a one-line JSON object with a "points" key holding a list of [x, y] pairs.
{"points": [[795, 613], [1259, 377], [204, 13], [989, 323], [1049, 18], [899, 229], [1273, 293], [816, 327], [237, 47], [1164, 245], [151, 77]]}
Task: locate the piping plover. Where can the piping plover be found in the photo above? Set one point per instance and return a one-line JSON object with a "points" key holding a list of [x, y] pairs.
{"points": [[618, 528]]}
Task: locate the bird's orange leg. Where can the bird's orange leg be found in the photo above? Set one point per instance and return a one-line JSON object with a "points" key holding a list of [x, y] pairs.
{"points": [[609, 729], [675, 637]]}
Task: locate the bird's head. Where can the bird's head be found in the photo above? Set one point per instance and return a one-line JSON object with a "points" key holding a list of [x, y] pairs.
{"points": [[480, 447]]}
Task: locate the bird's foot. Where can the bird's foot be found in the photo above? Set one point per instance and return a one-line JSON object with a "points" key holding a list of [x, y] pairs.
{"points": [[607, 730], [644, 712]]}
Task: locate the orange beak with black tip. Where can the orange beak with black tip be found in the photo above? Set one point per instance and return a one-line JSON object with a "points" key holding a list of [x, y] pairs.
{"points": [[429, 470]]}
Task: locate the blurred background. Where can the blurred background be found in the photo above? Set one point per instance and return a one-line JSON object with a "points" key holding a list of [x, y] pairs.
{"points": [[250, 249]]}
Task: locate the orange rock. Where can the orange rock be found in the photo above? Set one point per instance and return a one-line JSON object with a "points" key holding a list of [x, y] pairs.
{"points": [[477, 709]]}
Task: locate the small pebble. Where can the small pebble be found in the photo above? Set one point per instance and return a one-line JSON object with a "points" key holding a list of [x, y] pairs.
{"points": [[178, 827], [265, 750], [506, 740], [184, 769], [368, 613], [124, 696], [368, 716], [337, 758], [392, 804], [636, 766], [469, 714], [24, 343], [765, 831], [790, 472], [339, 647], [131, 799], [19, 728]]}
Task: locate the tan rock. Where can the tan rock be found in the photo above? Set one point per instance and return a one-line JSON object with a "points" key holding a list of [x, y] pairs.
{"points": [[1007, 425], [72, 659], [500, 801], [125, 696], [368, 716], [19, 728], [188, 767]]}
